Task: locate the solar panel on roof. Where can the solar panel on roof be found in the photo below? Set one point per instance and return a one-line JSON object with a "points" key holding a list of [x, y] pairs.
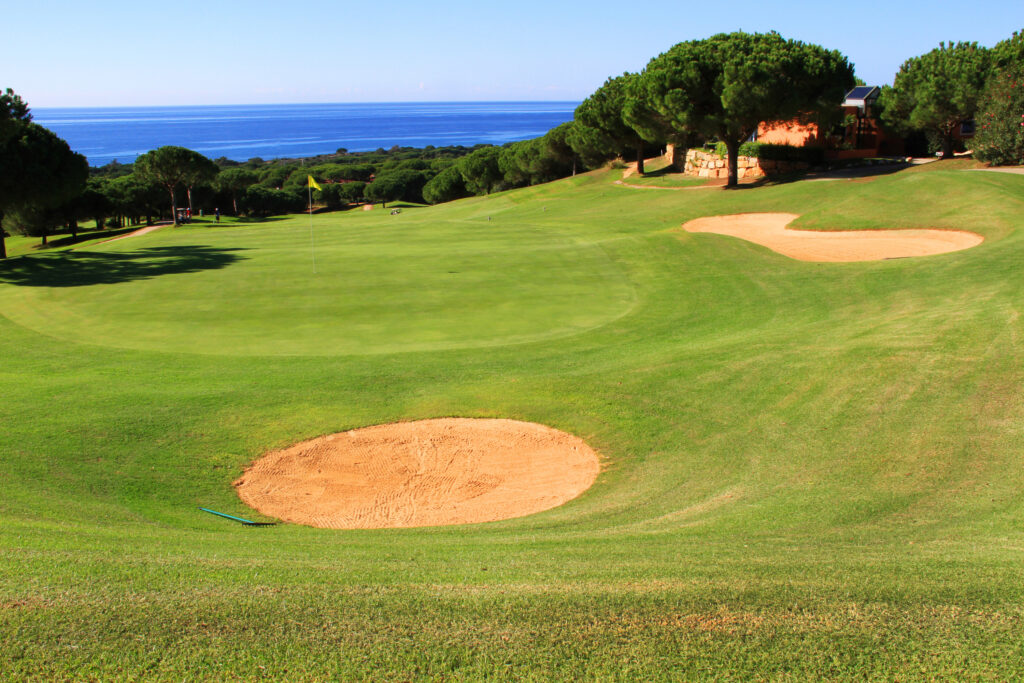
{"points": [[860, 92]]}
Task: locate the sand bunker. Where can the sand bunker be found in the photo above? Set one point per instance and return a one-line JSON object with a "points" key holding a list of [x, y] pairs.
{"points": [[769, 230], [425, 473]]}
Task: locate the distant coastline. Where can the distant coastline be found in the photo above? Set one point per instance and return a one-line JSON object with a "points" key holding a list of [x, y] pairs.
{"points": [[269, 131]]}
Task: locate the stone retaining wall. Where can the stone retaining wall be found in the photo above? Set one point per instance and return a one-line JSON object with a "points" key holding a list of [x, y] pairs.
{"points": [[709, 165]]}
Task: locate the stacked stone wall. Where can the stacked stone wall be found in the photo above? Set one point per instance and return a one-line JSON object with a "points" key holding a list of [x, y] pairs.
{"points": [[709, 165]]}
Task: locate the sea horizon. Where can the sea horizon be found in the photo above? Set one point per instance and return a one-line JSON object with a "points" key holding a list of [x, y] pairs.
{"points": [[297, 104], [294, 130]]}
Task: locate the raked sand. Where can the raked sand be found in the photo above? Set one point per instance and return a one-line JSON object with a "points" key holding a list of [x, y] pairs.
{"points": [[769, 230], [423, 473]]}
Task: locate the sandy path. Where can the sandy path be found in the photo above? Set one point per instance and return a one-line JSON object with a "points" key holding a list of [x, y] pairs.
{"points": [[769, 230], [663, 187], [136, 233], [424, 473], [1000, 169], [629, 170]]}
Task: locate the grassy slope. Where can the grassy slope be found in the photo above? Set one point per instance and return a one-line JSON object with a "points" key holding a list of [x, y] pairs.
{"points": [[18, 245], [811, 469], [659, 174]]}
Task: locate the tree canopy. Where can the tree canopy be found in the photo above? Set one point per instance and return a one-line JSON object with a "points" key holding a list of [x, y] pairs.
{"points": [[388, 187], [171, 166], [480, 170], [603, 112], [235, 180], [937, 92], [1000, 121], [587, 144], [445, 186], [13, 111], [1009, 53], [725, 86], [201, 171], [38, 170]]}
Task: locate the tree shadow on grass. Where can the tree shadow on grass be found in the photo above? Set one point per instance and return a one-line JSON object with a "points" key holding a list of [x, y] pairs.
{"points": [[854, 173], [83, 268], [63, 239], [661, 172]]}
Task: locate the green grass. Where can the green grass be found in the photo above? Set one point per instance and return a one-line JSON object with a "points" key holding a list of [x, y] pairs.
{"points": [[366, 288], [18, 245], [658, 173], [810, 470]]}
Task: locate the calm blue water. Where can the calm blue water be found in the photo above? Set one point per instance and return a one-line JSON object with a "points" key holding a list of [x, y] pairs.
{"points": [[241, 132]]}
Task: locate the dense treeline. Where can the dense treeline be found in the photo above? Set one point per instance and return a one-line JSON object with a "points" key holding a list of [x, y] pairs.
{"points": [[715, 90], [39, 174], [940, 92], [164, 182]]}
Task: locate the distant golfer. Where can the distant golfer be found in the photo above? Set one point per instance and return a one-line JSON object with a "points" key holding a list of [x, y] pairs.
{"points": [[216, 214]]}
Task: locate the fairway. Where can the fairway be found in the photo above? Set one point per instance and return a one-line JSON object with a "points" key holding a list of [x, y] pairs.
{"points": [[808, 470]]}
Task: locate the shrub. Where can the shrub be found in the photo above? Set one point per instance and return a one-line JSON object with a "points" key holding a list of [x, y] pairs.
{"points": [[1000, 123], [813, 156]]}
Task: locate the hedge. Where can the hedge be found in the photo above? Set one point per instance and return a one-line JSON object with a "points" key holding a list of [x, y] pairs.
{"points": [[813, 156]]}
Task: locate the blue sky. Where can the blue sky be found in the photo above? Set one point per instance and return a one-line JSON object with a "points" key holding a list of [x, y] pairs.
{"points": [[115, 52]]}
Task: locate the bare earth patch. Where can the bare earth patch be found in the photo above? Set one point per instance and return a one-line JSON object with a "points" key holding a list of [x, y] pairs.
{"points": [[769, 230], [424, 473], [1019, 170], [136, 233]]}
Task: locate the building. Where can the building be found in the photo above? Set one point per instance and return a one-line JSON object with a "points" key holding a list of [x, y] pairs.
{"points": [[859, 135]]}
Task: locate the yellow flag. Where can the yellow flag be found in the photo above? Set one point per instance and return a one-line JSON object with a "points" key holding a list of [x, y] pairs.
{"points": [[313, 183]]}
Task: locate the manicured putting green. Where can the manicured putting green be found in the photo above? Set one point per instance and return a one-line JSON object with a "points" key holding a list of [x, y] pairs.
{"points": [[253, 291]]}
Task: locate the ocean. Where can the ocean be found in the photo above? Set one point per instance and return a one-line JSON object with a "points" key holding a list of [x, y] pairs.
{"points": [[271, 131]]}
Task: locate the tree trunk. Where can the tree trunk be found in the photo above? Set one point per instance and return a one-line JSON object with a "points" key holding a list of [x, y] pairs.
{"points": [[174, 207], [188, 190], [99, 223], [73, 227], [234, 201], [732, 147], [44, 239], [3, 245], [640, 159], [947, 146]]}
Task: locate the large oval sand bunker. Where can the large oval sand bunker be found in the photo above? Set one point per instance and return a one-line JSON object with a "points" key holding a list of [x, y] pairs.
{"points": [[424, 473], [769, 230]]}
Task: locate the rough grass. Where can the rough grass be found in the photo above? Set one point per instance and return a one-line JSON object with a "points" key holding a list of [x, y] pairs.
{"points": [[810, 470]]}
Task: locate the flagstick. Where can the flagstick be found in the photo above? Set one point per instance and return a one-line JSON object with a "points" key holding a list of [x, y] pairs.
{"points": [[312, 246]]}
